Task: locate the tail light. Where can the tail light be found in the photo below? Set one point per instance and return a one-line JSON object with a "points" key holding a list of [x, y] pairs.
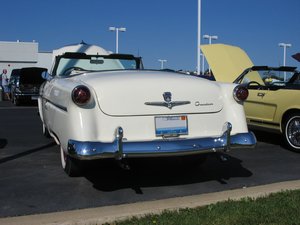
{"points": [[81, 95], [240, 93]]}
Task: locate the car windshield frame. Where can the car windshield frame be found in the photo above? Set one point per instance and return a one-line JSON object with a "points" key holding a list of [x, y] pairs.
{"points": [[94, 63], [271, 76]]}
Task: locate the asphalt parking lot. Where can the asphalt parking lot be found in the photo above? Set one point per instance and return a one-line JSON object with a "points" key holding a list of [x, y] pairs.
{"points": [[32, 181]]}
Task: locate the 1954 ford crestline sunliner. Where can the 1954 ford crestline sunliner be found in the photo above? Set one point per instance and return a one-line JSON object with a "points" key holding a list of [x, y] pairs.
{"points": [[100, 105]]}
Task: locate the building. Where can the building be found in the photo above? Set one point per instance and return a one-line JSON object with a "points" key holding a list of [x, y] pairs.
{"points": [[15, 55]]}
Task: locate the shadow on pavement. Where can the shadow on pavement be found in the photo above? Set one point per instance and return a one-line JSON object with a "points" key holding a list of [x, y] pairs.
{"points": [[5, 104], [25, 153], [164, 172], [3, 143], [269, 137]]}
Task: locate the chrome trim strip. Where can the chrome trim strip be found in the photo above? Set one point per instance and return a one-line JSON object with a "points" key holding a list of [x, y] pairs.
{"points": [[165, 147], [264, 122]]}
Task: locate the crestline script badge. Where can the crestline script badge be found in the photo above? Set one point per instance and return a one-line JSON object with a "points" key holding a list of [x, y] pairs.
{"points": [[168, 101]]}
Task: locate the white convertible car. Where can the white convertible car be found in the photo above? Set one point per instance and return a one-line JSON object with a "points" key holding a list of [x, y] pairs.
{"points": [[99, 105]]}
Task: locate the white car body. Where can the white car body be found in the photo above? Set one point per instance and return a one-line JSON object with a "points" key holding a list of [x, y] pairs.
{"points": [[127, 108]]}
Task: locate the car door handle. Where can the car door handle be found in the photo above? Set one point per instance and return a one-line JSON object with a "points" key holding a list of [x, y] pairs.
{"points": [[261, 94]]}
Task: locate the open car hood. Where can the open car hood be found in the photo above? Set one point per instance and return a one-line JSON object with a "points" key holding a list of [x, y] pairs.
{"points": [[226, 62]]}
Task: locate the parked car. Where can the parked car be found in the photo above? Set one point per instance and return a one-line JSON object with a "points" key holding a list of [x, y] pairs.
{"points": [[25, 84], [107, 106], [274, 92], [274, 102], [13, 81]]}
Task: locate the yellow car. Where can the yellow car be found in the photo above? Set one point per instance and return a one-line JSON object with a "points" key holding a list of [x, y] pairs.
{"points": [[274, 93]]}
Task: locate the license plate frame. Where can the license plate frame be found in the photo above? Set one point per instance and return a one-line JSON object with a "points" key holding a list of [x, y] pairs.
{"points": [[171, 125]]}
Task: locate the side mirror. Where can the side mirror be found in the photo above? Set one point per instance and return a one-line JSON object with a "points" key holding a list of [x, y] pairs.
{"points": [[46, 76]]}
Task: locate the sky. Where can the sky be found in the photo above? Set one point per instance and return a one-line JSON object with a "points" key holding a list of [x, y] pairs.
{"points": [[158, 29]]}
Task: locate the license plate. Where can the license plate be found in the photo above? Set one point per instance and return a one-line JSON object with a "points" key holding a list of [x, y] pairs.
{"points": [[34, 97], [171, 125]]}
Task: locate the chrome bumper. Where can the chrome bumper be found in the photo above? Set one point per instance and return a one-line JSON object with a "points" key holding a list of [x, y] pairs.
{"points": [[120, 148]]}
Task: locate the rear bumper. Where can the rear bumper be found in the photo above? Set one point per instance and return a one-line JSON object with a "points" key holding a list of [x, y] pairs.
{"points": [[158, 148]]}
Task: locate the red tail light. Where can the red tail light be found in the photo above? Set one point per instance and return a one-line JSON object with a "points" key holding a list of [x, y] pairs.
{"points": [[240, 93], [81, 95]]}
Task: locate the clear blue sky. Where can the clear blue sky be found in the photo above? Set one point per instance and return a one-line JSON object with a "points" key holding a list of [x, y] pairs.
{"points": [[158, 29]]}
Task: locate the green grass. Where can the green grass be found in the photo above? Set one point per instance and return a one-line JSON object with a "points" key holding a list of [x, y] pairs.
{"points": [[281, 209]]}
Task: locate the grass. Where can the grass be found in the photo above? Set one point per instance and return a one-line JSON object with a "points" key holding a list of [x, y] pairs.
{"points": [[281, 209]]}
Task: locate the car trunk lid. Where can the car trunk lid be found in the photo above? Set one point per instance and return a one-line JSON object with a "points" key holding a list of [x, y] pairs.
{"points": [[135, 93]]}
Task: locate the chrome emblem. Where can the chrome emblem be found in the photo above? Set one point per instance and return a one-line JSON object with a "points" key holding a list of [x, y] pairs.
{"points": [[168, 101], [167, 96]]}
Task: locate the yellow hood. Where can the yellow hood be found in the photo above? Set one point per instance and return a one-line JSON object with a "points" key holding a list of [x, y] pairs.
{"points": [[226, 62]]}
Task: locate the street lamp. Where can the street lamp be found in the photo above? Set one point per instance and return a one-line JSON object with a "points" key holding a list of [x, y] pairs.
{"points": [[162, 61], [284, 45], [210, 37], [117, 29]]}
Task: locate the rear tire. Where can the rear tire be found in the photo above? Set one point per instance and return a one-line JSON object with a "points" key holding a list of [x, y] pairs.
{"points": [[291, 132], [71, 166]]}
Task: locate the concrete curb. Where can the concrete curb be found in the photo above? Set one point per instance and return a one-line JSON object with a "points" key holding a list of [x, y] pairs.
{"points": [[119, 212]]}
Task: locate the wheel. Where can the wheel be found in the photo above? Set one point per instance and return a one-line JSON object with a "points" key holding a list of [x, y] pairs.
{"points": [[71, 166], [291, 131]]}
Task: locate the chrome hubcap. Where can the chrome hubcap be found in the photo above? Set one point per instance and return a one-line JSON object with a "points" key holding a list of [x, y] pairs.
{"points": [[293, 131]]}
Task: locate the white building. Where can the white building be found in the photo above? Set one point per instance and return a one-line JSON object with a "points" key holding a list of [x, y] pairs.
{"points": [[15, 55]]}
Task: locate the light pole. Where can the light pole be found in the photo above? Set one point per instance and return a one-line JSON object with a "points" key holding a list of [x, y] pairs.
{"points": [[284, 45], [210, 37], [162, 61], [199, 38], [117, 29], [202, 66]]}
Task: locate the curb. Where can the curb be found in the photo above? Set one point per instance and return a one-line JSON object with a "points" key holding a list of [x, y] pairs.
{"points": [[109, 214]]}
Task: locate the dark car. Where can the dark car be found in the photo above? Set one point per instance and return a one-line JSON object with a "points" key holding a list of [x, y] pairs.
{"points": [[14, 78], [25, 84]]}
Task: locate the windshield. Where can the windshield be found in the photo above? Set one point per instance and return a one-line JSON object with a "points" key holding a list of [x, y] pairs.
{"points": [[71, 64], [271, 77]]}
